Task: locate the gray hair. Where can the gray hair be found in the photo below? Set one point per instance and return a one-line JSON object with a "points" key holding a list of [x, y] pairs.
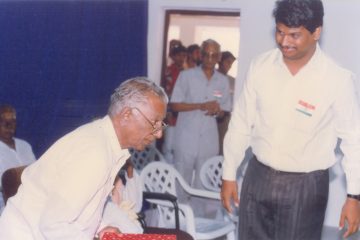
{"points": [[210, 42], [133, 92]]}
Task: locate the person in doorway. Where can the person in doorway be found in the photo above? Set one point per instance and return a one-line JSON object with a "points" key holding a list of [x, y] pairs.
{"points": [[200, 95], [295, 103], [193, 56], [227, 60], [178, 55], [63, 193], [173, 43]]}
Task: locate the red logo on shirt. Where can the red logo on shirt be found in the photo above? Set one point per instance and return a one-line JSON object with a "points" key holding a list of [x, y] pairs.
{"points": [[305, 108], [306, 105]]}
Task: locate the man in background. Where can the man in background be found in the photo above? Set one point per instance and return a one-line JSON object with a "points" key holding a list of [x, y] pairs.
{"points": [[178, 55], [14, 152], [193, 56], [227, 60], [296, 102], [63, 193], [200, 95]]}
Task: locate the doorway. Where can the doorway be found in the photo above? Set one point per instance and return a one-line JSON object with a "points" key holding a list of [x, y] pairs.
{"points": [[193, 27]]}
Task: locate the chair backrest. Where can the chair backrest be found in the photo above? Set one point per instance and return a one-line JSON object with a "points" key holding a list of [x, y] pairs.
{"points": [[159, 177], [162, 177], [211, 173], [11, 180], [142, 158]]}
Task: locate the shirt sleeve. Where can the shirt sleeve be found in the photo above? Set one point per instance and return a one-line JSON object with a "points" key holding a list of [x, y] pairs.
{"points": [[347, 124], [180, 89], [237, 138]]}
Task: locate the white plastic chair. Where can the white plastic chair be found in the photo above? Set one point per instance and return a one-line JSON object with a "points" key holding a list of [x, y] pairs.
{"points": [[211, 173], [162, 177], [141, 158], [211, 179]]}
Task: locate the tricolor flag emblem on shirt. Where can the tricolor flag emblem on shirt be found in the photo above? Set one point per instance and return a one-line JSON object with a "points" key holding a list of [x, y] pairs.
{"points": [[305, 108], [217, 94]]}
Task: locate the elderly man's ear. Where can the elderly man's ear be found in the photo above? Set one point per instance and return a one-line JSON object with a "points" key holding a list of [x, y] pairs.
{"points": [[124, 116]]}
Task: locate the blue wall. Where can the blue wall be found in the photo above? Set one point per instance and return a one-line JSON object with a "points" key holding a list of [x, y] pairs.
{"points": [[61, 60]]}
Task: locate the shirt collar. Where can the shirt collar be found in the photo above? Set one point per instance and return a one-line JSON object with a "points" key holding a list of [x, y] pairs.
{"points": [[314, 62], [114, 142]]}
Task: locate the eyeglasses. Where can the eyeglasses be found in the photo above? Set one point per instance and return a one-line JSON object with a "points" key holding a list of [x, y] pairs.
{"points": [[155, 128], [210, 54]]}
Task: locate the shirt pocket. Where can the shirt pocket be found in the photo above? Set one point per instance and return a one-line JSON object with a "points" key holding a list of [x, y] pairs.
{"points": [[306, 115]]}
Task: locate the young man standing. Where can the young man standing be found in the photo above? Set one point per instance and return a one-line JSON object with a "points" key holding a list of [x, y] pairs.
{"points": [[295, 104]]}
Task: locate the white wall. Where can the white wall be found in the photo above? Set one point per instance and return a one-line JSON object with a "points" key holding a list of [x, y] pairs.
{"points": [[256, 34], [340, 39], [157, 10]]}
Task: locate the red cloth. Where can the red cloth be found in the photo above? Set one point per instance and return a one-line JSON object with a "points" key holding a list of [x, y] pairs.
{"points": [[171, 74], [126, 236]]}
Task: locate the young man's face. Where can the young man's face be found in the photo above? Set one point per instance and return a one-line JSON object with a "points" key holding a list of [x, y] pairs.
{"points": [[179, 59], [226, 64], [196, 55], [296, 43]]}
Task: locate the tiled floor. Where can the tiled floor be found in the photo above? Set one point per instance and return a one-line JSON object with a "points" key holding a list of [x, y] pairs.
{"points": [[332, 233], [329, 233]]}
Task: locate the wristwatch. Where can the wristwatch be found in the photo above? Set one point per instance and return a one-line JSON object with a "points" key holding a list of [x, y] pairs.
{"points": [[357, 197]]}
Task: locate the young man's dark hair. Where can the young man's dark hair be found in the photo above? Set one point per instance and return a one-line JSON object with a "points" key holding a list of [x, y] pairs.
{"points": [[297, 13], [225, 55], [177, 49], [192, 48]]}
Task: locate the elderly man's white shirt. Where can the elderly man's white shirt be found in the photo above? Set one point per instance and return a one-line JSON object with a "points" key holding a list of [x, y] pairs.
{"points": [[292, 122], [62, 194]]}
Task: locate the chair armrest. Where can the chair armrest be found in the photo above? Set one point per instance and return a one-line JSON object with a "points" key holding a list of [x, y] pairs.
{"points": [[197, 192], [202, 193], [160, 196], [165, 197]]}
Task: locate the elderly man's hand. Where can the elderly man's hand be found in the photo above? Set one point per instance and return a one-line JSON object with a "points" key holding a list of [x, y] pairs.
{"points": [[212, 108], [108, 229]]}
